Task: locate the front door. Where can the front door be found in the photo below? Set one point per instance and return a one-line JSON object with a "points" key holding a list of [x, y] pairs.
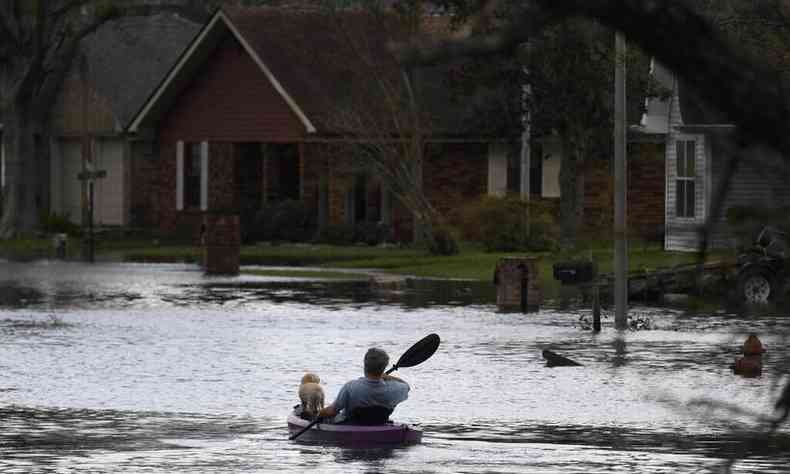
{"points": [[249, 183]]}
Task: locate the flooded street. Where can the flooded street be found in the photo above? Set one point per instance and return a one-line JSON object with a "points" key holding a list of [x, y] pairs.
{"points": [[156, 368]]}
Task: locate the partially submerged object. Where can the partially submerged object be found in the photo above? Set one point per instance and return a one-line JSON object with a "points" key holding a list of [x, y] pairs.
{"points": [[392, 434], [555, 360], [751, 364]]}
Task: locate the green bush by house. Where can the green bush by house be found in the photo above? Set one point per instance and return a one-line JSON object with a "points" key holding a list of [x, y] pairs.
{"points": [[499, 223]]}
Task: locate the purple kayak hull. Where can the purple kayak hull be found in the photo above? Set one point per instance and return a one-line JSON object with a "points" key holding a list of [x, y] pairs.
{"points": [[355, 435]]}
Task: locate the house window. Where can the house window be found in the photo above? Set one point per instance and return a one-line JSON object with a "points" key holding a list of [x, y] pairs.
{"points": [[192, 175], [685, 184]]}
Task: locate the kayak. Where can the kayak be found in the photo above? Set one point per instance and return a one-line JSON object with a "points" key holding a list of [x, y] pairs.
{"points": [[354, 435]]}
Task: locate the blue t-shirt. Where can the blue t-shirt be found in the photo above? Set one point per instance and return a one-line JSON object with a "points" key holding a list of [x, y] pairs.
{"points": [[364, 392]]}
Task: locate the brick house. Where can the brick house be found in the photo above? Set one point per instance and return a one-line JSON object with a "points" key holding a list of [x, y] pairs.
{"points": [[245, 117]]}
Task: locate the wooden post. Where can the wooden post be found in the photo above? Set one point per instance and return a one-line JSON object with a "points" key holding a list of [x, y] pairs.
{"points": [[596, 308], [620, 185], [90, 176], [91, 240], [525, 290]]}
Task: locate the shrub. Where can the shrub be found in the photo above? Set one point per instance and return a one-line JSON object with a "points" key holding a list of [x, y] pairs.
{"points": [[367, 233], [746, 221], [498, 223], [337, 234], [444, 242], [370, 233], [289, 220], [55, 223]]}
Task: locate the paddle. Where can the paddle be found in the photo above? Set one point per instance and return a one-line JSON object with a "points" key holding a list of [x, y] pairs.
{"points": [[417, 354]]}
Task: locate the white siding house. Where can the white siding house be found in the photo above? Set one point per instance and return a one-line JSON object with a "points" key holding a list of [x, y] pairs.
{"points": [[699, 142]]}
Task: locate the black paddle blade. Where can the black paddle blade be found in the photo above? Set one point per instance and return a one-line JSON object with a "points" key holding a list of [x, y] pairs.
{"points": [[418, 353]]}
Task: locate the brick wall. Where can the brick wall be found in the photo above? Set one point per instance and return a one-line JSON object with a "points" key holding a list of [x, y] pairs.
{"points": [[455, 174], [222, 177], [341, 178], [230, 99], [645, 191], [144, 176]]}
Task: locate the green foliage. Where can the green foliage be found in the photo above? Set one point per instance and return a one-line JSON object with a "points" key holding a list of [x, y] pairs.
{"points": [[55, 223], [445, 242], [289, 220], [369, 233], [500, 224], [746, 221], [337, 234]]}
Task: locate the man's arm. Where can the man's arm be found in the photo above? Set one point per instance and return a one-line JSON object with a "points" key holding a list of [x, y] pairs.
{"points": [[340, 403], [327, 411]]}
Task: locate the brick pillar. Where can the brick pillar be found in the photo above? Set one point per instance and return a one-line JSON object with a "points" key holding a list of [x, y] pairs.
{"points": [[221, 241], [508, 278]]}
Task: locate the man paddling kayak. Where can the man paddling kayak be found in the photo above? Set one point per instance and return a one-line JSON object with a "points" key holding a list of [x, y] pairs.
{"points": [[369, 399]]}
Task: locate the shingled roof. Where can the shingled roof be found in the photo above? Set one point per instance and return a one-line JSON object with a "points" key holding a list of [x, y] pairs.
{"points": [[127, 58], [331, 61], [319, 62]]}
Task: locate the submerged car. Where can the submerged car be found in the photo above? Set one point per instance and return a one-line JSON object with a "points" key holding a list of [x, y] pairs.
{"points": [[762, 269]]}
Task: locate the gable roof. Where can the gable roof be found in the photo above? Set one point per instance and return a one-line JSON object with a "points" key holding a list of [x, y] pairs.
{"points": [[336, 63], [322, 64], [127, 58], [217, 28], [694, 112]]}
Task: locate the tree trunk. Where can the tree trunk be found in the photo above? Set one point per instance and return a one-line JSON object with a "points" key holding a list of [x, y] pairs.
{"points": [[569, 199], [21, 201]]}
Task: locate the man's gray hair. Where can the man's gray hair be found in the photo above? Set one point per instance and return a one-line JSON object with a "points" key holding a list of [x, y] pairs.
{"points": [[376, 361]]}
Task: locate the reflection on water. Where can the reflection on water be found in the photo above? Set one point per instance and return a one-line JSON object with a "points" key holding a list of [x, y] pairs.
{"points": [[140, 368], [75, 284]]}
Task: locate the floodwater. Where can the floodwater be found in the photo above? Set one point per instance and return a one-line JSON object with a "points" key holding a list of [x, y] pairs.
{"points": [[156, 368]]}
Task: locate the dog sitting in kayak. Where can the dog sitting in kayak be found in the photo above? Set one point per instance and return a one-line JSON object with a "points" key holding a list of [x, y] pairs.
{"points": [[311, 395]]}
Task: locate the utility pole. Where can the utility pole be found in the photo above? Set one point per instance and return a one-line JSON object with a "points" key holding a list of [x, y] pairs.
{"points": [[620, 188]]}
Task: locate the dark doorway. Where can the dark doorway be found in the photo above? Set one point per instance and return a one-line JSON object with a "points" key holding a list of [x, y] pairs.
{"points": [[282, 172], [249, 183]]}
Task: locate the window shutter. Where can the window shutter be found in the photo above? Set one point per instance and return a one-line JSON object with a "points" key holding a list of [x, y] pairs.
{"points": [[204, 176], [700, 178], [179, 176]]}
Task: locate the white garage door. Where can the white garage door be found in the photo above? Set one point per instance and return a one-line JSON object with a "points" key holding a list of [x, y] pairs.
{"points": [[71, 186], [109, 198]]}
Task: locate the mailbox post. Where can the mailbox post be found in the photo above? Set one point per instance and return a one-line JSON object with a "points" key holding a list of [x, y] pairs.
{"points": [[90, 176]]}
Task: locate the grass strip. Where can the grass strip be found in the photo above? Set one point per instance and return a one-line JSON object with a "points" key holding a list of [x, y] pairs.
{"points": [[308, 274]]}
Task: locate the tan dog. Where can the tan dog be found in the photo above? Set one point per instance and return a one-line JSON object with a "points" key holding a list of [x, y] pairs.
{"points": [[311, 395]]}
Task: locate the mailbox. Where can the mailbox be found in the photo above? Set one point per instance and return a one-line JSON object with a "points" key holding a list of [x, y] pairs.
{"points": [[575, 272]]}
